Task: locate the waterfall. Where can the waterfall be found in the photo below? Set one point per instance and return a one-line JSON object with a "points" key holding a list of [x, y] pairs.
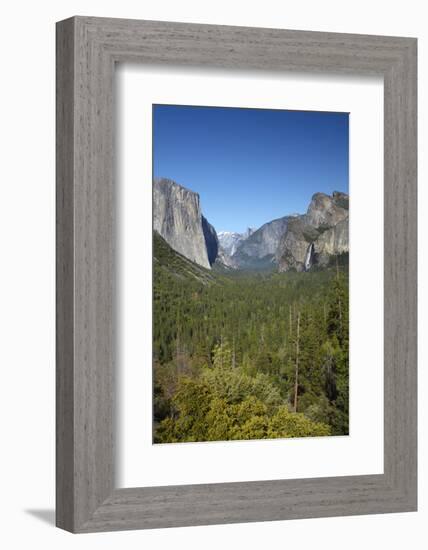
{"points": [[309, 257]]}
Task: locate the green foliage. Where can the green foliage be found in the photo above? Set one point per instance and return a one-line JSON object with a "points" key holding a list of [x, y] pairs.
{"points": [[206, 412], [234, 385], [226, 348], [287, 424]]}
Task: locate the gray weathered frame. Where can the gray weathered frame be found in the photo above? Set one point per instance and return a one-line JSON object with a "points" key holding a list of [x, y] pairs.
{"points": [[87, 50]]}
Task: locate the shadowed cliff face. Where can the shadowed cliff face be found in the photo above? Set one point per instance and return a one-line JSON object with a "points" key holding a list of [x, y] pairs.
{"points": [[177, 218], [211, 240]]}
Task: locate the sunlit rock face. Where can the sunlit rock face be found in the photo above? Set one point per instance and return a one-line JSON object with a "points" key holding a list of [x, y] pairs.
{"points": [[326, 210], [313, 238], [332, 242], [261, 245], [177, 218], [293, 246], [264, 240]]}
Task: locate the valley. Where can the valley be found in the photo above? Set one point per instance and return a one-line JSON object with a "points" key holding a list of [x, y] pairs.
{"points": [[250, 330], [247, 355]]}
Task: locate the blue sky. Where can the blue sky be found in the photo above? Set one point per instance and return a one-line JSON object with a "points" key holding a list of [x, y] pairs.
{"points": [[251, 166]]}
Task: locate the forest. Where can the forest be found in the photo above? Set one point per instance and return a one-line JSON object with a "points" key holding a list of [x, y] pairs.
{"points": [[248, 355]]}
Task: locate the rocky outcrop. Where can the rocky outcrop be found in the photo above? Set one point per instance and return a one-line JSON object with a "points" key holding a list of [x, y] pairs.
{"points": [[332, 242], [261, 246], [177, 218], [313, 238], [293, 247], [326, 211], [224, 260]]}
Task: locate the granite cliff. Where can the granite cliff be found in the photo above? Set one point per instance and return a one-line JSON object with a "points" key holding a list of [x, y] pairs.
{"points": [[259, 248], [313, 238], [296, 242], [178, 219]]}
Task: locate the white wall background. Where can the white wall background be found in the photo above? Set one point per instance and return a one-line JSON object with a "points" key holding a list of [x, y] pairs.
{"points": [[27, 272]]}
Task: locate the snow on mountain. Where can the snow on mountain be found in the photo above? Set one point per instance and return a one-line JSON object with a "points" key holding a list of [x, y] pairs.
{"points": [[230, 240]]}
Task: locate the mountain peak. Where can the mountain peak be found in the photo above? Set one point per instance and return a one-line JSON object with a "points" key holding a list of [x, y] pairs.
{"points": [[326, 209], [173, 186]]}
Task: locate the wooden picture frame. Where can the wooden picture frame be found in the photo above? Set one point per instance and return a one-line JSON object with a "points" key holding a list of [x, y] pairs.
{"points": [[87, 50]]}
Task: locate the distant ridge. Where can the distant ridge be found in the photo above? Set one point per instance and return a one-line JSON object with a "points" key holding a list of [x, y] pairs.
{"points": [[296, 241]]}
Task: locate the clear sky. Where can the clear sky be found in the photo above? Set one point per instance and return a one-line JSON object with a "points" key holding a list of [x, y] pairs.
{"points": [[251, 166]]}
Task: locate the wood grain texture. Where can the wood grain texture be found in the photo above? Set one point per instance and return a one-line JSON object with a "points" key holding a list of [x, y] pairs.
{"points": [[87, 49], [64, 276]]}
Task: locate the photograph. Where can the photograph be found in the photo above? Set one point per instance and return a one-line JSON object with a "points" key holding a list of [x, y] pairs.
{"points": [[250, 273]]}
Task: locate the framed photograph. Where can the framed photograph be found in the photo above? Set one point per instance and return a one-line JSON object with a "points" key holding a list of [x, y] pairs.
{"points": [[236, 274]]}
